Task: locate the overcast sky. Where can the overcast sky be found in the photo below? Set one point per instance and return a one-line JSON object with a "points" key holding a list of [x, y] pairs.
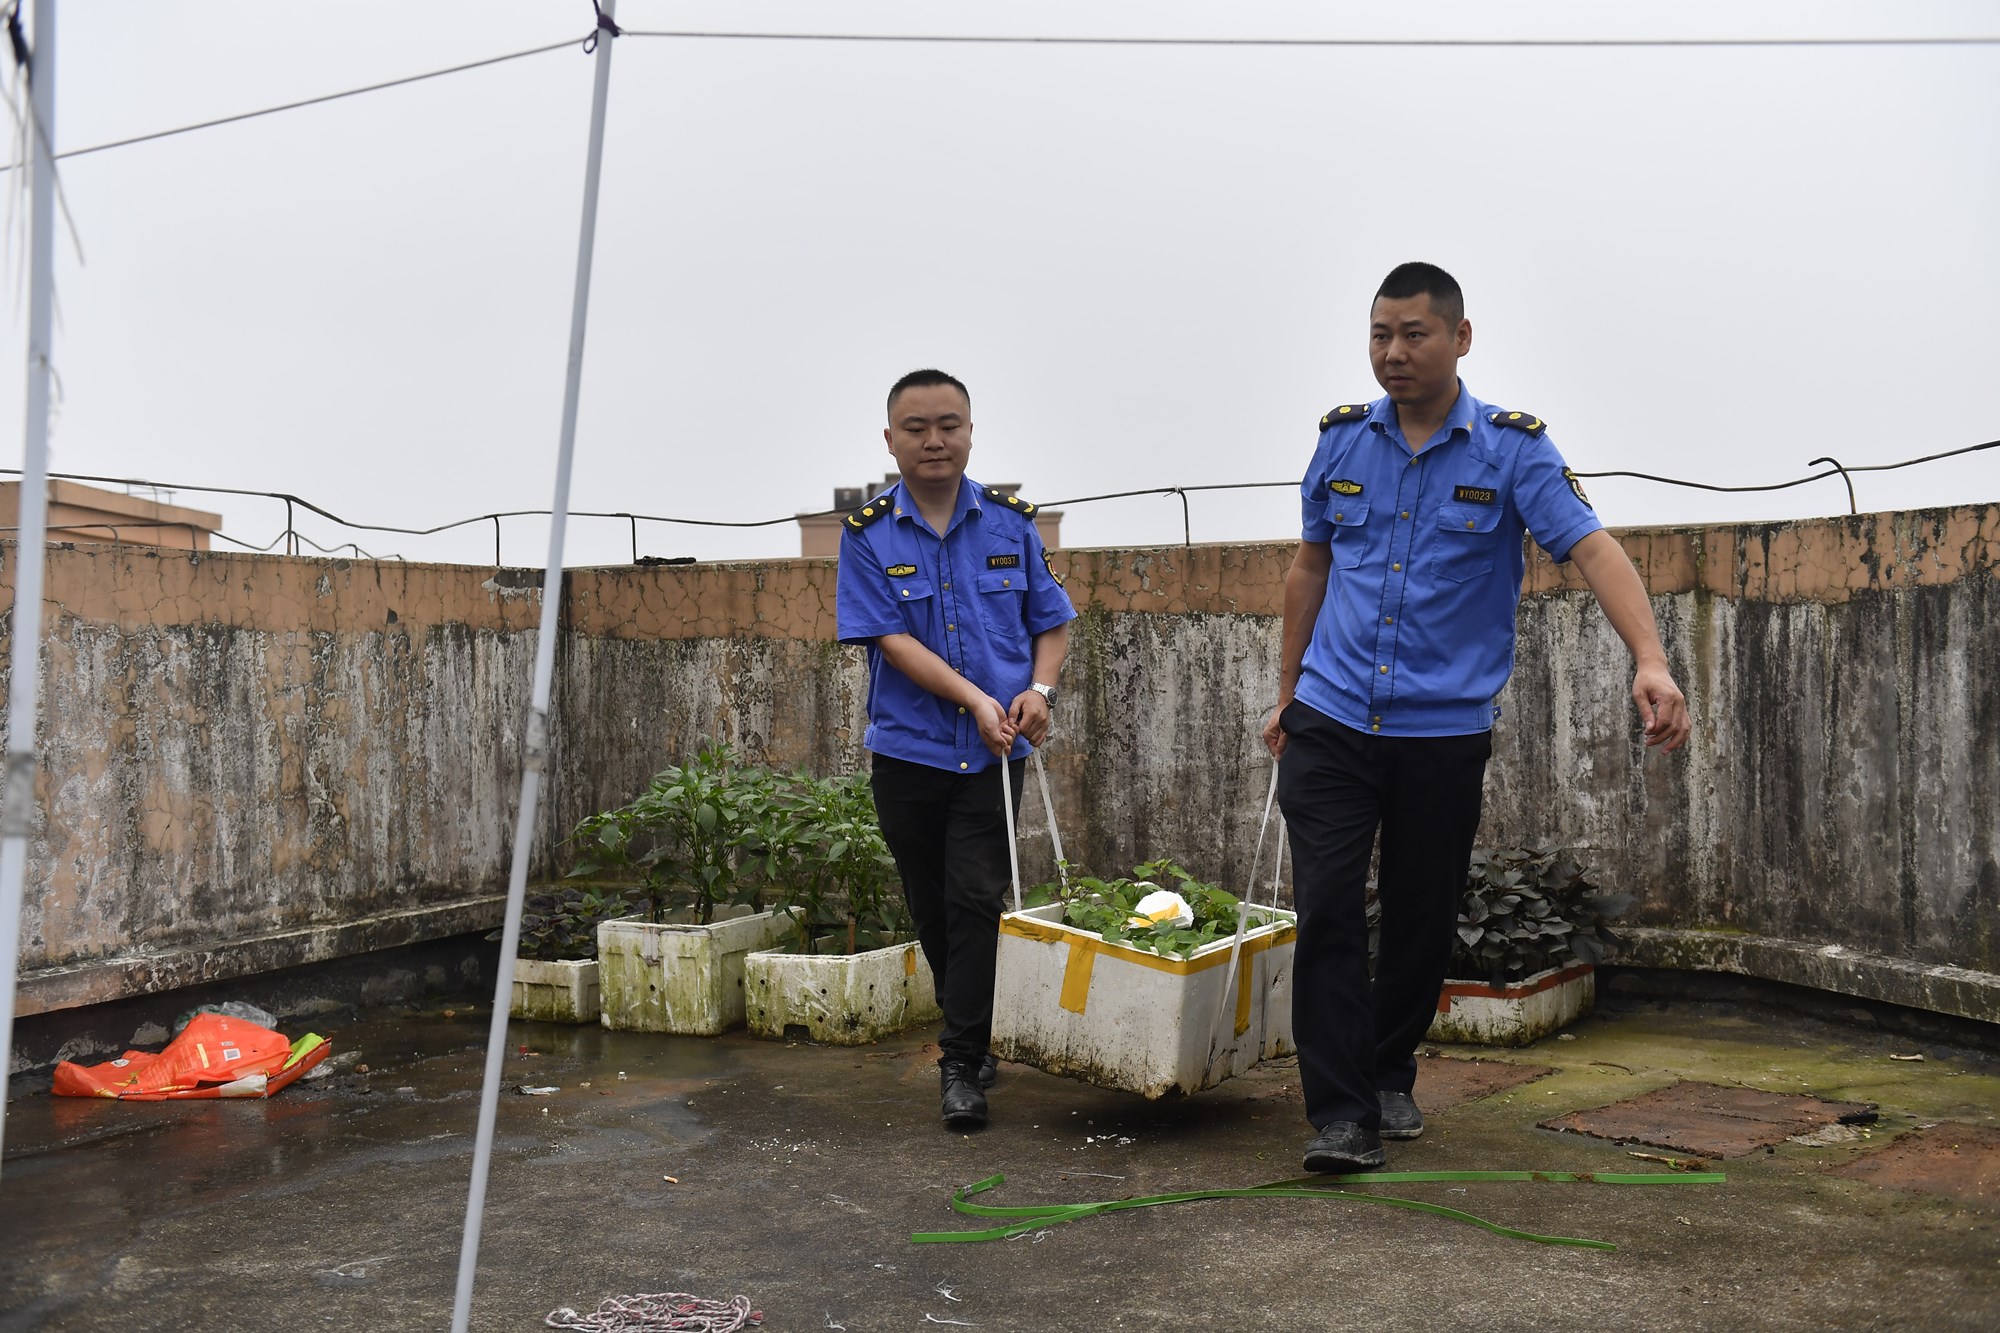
{"points": [[1152, 265]]}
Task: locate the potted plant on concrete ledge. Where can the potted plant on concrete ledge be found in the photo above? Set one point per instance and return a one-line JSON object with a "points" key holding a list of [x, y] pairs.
{"points": [[700, 838], [1531, 930], [555, 963], [1113, 982], [850, 972]]}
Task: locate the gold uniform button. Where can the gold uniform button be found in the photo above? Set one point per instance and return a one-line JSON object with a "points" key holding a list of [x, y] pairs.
{"points": [[1388, 620], [950, 628], [1385, 671], [961, 710], [1406, 513], [1006, 583], [1376, 718], [1398, 567], [1376, 727], [947, 587], [1470, 523], [906, 592], [1338, 517], [961, 765]]}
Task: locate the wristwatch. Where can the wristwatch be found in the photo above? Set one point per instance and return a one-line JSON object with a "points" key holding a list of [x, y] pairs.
{"points": [[1048, 693]]}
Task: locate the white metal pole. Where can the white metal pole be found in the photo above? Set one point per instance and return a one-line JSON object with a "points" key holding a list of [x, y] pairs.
{"points": [[17, 781], [535, 741]]}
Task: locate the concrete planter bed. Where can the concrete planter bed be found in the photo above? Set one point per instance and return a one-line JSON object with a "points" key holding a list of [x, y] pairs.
{"points": [[1070, 1002], [1524, 1011], [680, 978], [558, 991], [838, 999]]}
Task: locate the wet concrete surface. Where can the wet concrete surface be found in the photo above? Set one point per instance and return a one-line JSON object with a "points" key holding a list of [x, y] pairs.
{"points": [[799, 1173]]}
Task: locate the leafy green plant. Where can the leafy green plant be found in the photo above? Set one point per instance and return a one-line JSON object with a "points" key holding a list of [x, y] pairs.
{"points": [[1106, 907], [831, 867], [561, 921], [1524, 912], [702, 833]]}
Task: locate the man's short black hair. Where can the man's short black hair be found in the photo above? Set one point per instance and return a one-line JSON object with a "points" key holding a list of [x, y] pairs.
{"points": [[924, 379], [1421, 279]]}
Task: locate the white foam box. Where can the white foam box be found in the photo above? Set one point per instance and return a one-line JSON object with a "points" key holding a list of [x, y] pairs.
{"points": [[1070, 1002], [1517, 1013]]}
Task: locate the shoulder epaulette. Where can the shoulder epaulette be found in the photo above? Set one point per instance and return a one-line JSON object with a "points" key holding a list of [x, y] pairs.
{"points": [[1024, 508], [1346, 412], [1524, 421], [869, 512]]}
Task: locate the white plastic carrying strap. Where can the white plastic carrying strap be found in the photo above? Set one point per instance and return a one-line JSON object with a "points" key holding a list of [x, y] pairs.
{"points": [[1048, 810], [1226, 1003]]}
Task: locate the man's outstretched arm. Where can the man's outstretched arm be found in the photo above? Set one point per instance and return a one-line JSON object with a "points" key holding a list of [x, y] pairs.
{"points": [[1662, 707]]}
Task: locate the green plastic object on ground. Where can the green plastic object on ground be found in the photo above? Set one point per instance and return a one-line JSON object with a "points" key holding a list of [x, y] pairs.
{"points": [[1035, 1217]]}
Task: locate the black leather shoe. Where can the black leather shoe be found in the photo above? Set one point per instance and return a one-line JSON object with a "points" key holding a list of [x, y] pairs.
{"points": [[1400, 1117], [962, 1101], [1343, 1147], [989, 1070]]}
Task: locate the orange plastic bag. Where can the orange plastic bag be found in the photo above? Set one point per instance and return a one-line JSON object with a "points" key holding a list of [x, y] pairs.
{"points": [[214, 1056]]}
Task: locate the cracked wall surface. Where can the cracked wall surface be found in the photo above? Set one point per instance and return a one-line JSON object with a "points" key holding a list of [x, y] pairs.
{"points": [[318, 754]]}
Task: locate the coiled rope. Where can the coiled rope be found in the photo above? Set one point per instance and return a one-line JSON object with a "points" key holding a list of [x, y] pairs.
{"points": [[661, 1312]]}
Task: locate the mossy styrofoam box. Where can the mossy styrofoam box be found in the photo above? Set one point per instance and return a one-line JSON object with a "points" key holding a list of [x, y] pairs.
{"points": [[561, 990], [684, 979], [1070, 1002], [839, 999], [1515, 1014]]}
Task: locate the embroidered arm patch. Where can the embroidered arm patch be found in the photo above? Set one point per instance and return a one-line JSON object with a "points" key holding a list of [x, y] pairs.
{"points": [[1577, 486]]}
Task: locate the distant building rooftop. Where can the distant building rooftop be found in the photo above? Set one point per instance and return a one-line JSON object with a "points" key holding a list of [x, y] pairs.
{"points": [[80, 513]]}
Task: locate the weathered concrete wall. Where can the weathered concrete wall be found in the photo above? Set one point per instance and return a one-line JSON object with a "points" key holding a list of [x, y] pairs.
{"points": [[255, 761]]}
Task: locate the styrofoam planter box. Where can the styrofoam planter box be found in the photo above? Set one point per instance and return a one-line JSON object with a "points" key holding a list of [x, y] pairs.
{"points": [[1070, 1002], [839, 999], [685, 979], [564, 990], [1517, 1013]]}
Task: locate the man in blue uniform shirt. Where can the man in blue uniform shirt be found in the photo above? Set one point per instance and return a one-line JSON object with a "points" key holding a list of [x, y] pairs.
{"points": [[948, 585], [1399, 633]]}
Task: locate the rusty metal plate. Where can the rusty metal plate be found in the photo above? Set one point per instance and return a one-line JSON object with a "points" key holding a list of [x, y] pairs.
{"points": [[1952, 1161], [1707, 1119], [1444, 1081]]}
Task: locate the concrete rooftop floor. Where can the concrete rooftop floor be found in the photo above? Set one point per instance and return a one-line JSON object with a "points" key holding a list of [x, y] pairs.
{"points": [[800, 1172]]}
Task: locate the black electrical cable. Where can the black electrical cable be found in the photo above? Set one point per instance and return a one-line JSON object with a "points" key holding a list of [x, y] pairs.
{"points": [[334, 518]]}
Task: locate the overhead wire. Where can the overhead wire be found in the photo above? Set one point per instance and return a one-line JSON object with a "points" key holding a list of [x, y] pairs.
{"points": [[1003, 39], [313, 101], [996, 39]]}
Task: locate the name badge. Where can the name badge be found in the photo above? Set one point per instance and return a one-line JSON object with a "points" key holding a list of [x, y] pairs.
{"points": [[900, 571], [1474, 495], [1003, 562]]}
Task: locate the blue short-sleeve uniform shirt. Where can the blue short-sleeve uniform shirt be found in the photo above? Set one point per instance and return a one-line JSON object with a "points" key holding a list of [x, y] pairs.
{"points": [[1416, 635], [976, 596]]}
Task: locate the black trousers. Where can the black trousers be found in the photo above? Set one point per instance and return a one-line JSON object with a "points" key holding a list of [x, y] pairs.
{"points": [[948, 833], [1338, 787]]}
